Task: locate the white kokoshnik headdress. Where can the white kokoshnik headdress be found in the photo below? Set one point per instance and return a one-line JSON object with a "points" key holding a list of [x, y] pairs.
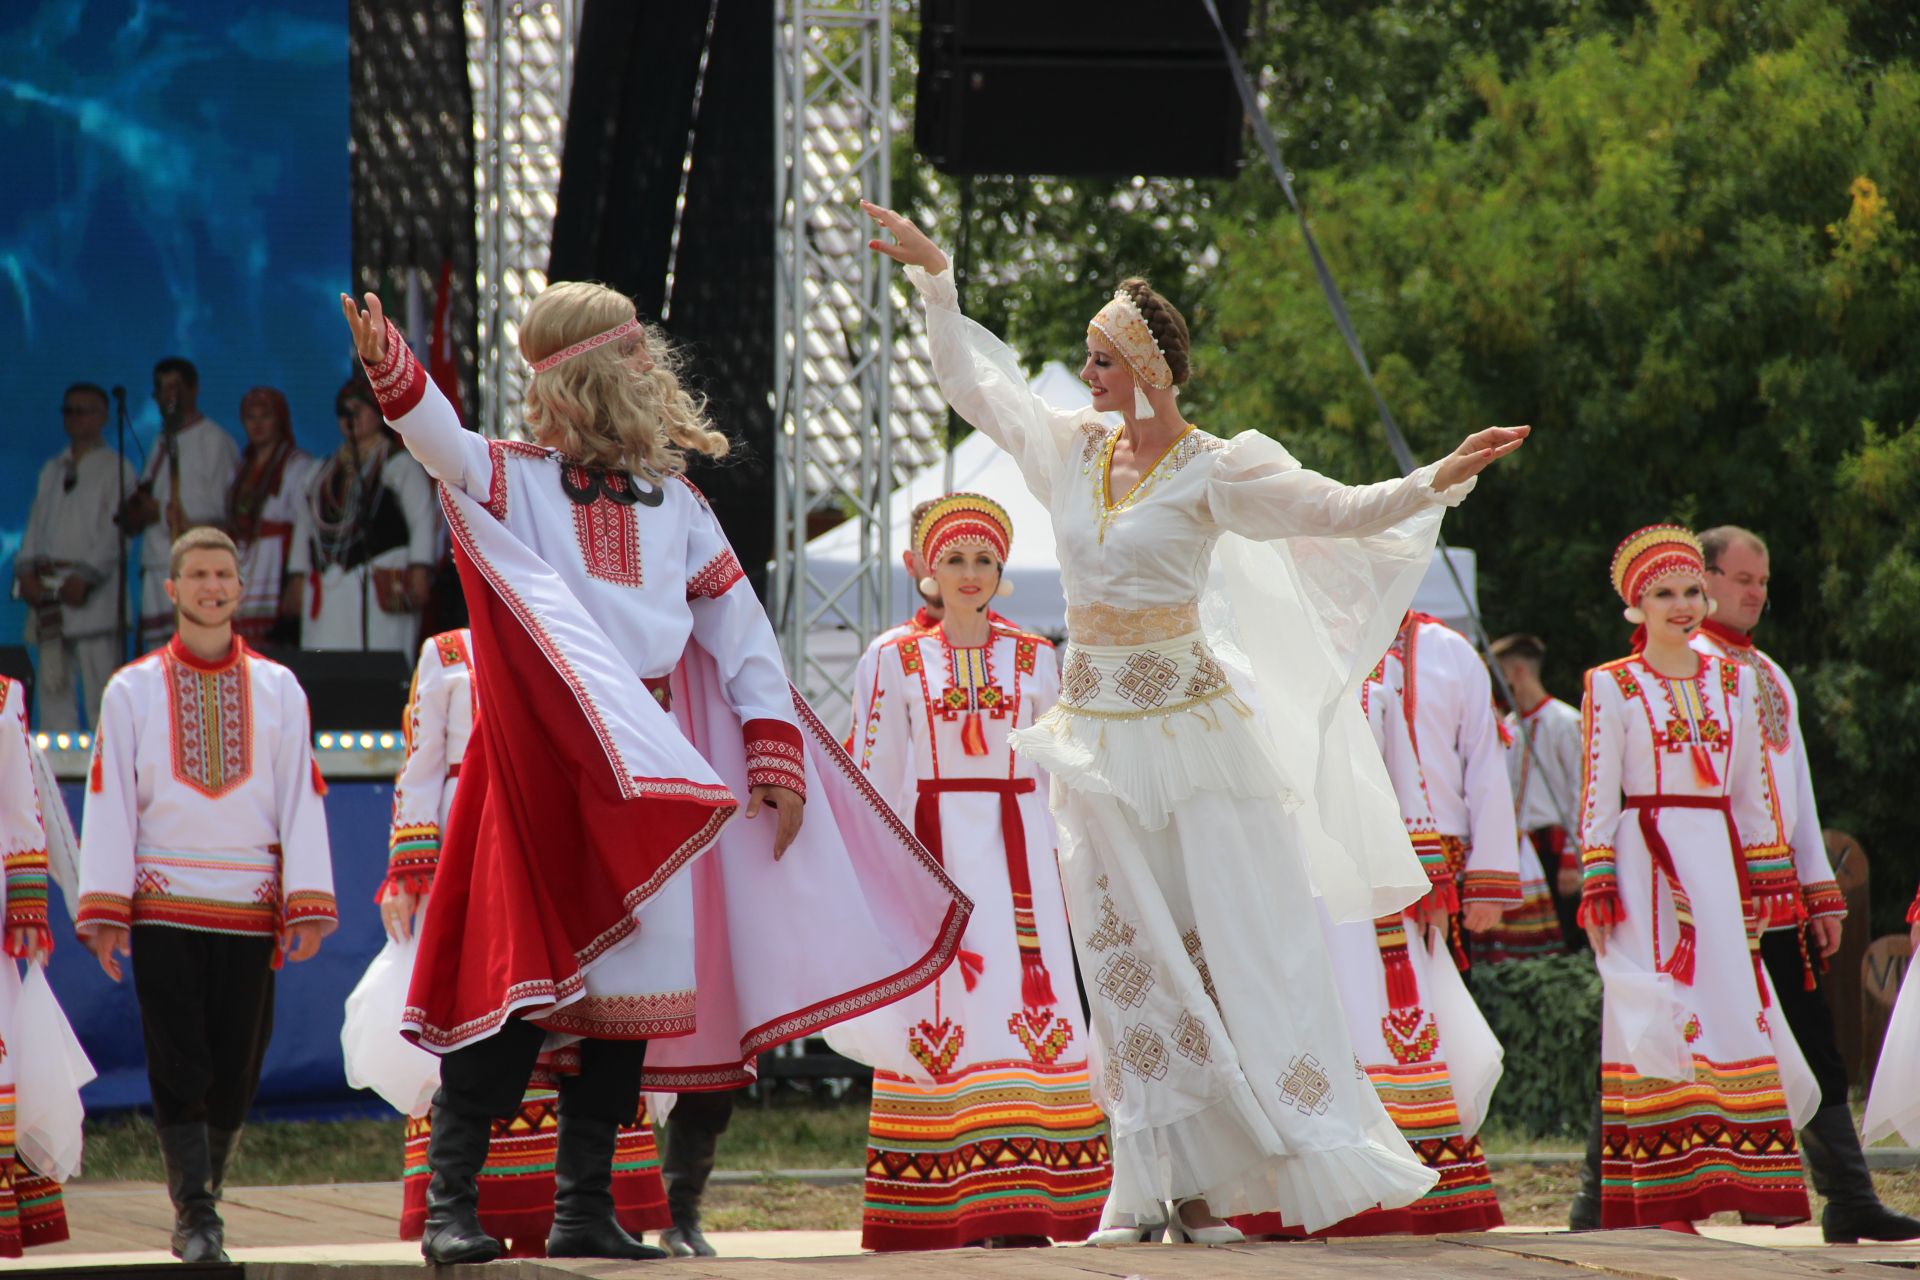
{"points": [[1121, 323]]}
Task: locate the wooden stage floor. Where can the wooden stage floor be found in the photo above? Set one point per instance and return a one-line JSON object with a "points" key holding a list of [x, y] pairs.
{"points": [[347, 1232]]}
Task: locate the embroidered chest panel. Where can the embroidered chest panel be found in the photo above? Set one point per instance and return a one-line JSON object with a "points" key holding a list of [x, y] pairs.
{"points": [[605, 523], [210, 725], [1769, 698], [971, 686]]}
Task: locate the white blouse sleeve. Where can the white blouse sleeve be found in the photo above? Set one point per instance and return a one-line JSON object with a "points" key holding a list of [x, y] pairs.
{"points": [[983, 382], [1259, 491]]}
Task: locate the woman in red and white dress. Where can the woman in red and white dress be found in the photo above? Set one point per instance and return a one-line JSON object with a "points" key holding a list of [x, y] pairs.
{"points": [[1684, 864], [263, 505], [517, 1182], [984, 1072]]}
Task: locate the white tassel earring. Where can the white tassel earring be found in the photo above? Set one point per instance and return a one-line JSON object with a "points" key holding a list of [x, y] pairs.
{"points": [[1142, 407], [929, 588], [1635, 614]]}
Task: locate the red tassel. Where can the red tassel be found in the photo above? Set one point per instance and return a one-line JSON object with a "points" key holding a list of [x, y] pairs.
{"points": [[319, 781], [1680, 963], [96, 781], [1601, 908], [1036, 984], [972, 965], [1703, 771], [1402, 991], [1760, 981], [973, 735]]}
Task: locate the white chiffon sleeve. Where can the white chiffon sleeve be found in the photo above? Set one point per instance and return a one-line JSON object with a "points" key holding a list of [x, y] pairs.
{"points": [[980, 378], [1259, 491]]}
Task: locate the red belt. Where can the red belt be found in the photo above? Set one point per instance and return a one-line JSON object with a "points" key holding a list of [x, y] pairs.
{"points": [[1680, 963], [1036, 984]]}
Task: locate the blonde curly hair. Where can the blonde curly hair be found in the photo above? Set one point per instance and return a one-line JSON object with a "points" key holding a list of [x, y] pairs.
{"points": [[605, 407]]}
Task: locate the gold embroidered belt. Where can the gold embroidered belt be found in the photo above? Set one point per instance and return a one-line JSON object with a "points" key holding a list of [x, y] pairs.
{"points": [[1103, 624], [1132, 682]]}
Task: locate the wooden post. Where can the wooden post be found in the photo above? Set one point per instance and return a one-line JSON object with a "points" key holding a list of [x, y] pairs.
{"points": [[1846, 995]]}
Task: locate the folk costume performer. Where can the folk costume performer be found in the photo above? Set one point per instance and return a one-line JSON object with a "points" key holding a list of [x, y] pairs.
{"points": [[985, 1072], [591, 887], [1701, 1083], [1199, 811]]}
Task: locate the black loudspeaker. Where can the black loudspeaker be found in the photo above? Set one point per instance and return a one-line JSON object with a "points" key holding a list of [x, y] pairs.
{"points": [[1071, 87], [350, 690]]}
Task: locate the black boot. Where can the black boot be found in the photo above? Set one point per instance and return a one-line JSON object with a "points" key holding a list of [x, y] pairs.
{"points": [[220, 1144], [685, 1167], [583, 1222], [198, 1233], [1584, 1215], [456, 1152], [1839, 1168]]}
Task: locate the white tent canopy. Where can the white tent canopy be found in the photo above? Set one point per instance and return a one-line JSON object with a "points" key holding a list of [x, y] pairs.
{"points": [[1037, 603]]}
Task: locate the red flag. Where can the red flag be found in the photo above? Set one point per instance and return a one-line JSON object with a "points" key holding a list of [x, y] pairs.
{"points": [[442, 364]]}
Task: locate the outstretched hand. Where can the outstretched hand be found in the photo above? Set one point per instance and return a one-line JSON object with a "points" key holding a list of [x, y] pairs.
{"points": [[1476, 453], [910, 244], [369, 327]]}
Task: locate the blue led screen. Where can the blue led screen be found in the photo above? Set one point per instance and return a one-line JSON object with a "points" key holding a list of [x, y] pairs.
{"points": [[177, 184]]}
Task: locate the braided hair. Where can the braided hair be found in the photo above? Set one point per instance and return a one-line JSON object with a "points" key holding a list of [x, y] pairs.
{"points": [[1168, 326]]}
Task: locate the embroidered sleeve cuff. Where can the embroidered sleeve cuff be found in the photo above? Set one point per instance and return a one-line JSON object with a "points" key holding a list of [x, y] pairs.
{"points": [[1490, 886], [104, 909], [41, 940], [413, 857], [27, 890], [774, 756], [1823, 899], [1773, 884], [1600, 899], [716, 578], [938, 290], [309, 904], [398, 381]]}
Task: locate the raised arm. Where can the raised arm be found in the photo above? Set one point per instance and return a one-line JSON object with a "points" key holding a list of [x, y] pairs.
{"points": [[977, 373], [414, 407]]}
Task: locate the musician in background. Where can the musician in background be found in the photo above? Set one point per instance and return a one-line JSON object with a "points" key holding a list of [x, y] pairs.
{"points": [[183, 485]]}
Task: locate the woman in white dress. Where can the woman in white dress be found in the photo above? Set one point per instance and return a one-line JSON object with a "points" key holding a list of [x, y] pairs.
{"points": [[1893, 1103], [263, 506], [1199, 811], [1682, 853], [983, 1127]]}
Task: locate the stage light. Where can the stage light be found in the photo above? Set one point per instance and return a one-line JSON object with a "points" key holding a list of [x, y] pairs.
{"points": [[86, 742], [366, 742], [326, 742], [42, 741], [386, 742], [63, 740]]}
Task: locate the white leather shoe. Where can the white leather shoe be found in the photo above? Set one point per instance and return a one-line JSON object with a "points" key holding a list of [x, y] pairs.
{"points": [[1123, 1228], [1180, 1233]]}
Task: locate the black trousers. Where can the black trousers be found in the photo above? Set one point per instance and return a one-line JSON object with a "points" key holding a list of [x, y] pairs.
{"points": [[708, 1113], [1565, 906], [206, 1012], [489, 1077], [1808, 1015]]}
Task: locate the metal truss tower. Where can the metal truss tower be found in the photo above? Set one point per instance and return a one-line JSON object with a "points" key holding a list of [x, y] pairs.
{"points": [[520, 59], [833, 323]]}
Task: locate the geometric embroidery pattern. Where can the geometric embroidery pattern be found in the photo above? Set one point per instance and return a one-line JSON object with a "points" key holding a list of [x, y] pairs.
{"points": [[1081, 680], [608, 531], [716, 577], [211, 718], [1190, 1039], [1112, 931], [1042, 1042], [1143, 1052], [1305, 1087], [1125, 979], [1411, 1035], [1207, 677], [936, 1044], [1147, 679], [1191, 940]]}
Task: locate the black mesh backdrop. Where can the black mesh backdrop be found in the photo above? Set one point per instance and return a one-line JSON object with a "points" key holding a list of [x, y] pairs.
{"points": [[634, 76], [411, 145]]}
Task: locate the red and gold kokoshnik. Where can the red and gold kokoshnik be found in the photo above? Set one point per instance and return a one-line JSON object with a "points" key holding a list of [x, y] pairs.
{"points": [[968, 518], [1653, 554]]}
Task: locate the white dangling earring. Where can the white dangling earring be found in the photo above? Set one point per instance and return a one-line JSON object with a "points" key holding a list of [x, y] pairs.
{"points": [[1142, 407], [1635, 614], [929, 588]]}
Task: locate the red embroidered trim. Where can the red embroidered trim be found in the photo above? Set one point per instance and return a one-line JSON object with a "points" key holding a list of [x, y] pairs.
{"points": [[105, 908], [716, 578], [608, 532], [309, 904], [1823, 898], [775, 755], [399, 383], [657, 1014], [210, 721], [452, 647], [1490, 886]]}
